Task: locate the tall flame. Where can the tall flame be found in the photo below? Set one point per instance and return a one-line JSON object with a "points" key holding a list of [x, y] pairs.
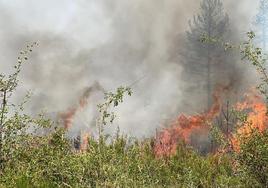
{"points": [[69, 115]]}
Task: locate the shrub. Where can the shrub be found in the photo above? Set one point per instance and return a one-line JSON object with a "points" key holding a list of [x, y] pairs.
{"points": [[253, 156]]}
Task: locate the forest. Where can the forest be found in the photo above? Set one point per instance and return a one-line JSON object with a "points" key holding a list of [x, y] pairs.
{"points": [[134, 94]]}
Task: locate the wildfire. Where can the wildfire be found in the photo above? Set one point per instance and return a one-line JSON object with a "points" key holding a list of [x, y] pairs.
{"points": [[183, 127], [68, 116], [257, 119], [84, 141]]}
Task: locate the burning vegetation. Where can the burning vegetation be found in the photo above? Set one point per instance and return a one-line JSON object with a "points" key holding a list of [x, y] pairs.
{"points": [[161, 161], [219, 146], [255, 118], [251, 116], [69, 116]]}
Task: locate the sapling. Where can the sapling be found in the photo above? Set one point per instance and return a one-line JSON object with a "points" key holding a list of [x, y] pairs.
{"points": [[8, 84]]}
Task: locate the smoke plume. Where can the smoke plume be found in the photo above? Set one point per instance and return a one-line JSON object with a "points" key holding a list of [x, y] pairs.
{"points": [[112, 42]]}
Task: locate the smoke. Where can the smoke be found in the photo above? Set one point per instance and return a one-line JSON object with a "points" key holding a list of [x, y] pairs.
{"points": [[112, 42]]}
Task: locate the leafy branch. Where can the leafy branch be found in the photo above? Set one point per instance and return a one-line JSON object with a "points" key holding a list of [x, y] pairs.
{"points": [[258, 59], [111, 100], [249, 52], [8, 84]]}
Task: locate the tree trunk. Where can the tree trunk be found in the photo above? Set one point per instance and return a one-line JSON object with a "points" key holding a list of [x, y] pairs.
{"points": [[2, 115], [208, 82], [264, 38], [209, 62]]}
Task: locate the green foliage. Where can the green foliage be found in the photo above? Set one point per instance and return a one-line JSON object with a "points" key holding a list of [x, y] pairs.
{"points": [[111, 100], [253, 156], [249, 52], [218, 137], [119, 164], [13, 123], [258, 60], [30, 159], [251, 162]]}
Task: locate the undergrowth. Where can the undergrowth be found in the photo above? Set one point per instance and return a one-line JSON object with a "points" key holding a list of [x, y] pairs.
{"points": [[29, 159]]}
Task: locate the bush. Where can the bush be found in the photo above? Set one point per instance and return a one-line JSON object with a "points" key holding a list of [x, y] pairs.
{"points": [[253, 156], [28, 159]]}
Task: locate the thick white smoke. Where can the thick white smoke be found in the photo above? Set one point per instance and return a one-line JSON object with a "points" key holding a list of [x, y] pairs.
{"points": [[114, 42]]}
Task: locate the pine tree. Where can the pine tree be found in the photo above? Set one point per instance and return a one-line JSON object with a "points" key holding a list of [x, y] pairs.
{"points": [[201, 59], [262, 24]]}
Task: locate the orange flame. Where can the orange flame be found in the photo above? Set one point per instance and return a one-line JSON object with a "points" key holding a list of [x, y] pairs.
{"points": [[84, 142], [257, 118], [167, 140], [68, 116]]}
